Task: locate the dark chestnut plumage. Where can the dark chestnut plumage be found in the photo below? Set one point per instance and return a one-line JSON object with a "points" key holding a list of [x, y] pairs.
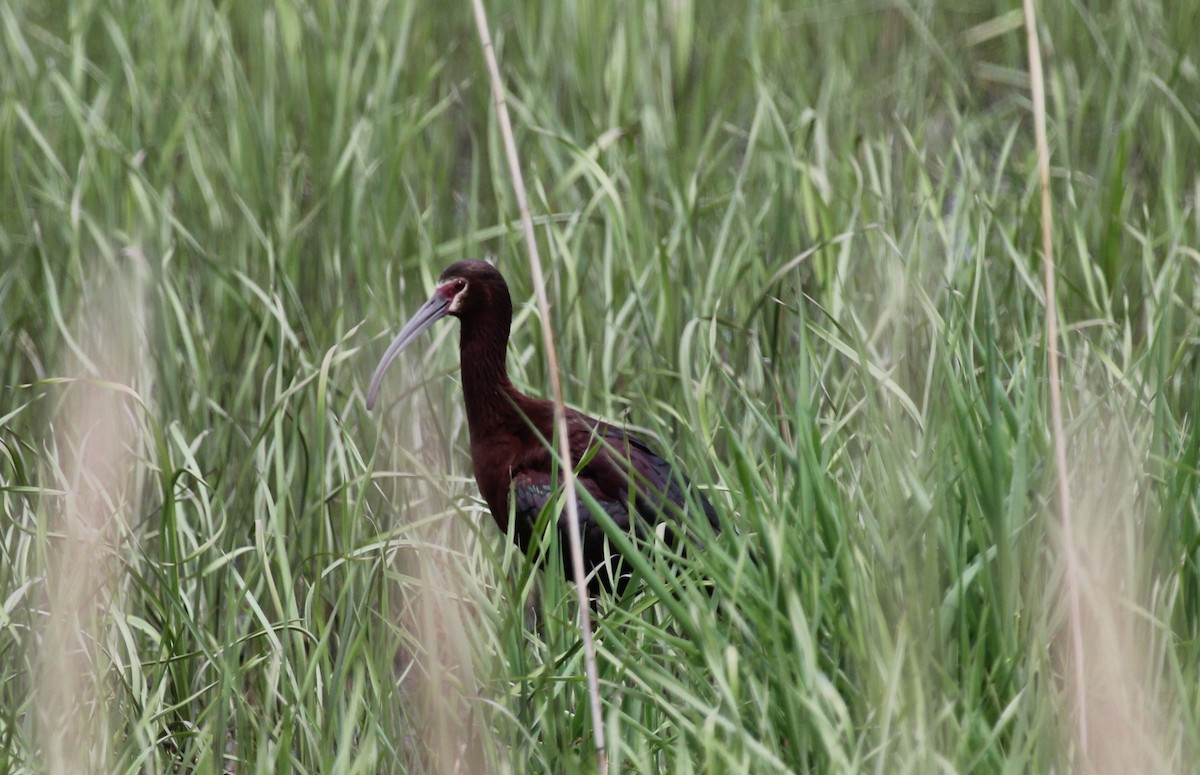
{"points": [[632, 482]]}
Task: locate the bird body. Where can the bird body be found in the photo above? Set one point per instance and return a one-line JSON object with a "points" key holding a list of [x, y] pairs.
{"points": [[512, 461]]}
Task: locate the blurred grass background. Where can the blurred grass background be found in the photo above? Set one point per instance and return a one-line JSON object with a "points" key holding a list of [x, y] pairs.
{"points": [[799, 241]]}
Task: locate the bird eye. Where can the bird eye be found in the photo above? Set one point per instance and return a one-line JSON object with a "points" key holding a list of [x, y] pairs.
{"points": [[460, 286]]}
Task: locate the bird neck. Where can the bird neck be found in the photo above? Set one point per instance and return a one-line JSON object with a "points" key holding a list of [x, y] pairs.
{"points": [[493, 402]]}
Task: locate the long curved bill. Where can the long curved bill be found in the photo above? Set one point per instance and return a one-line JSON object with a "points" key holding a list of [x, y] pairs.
{"points": [[426, 316]]}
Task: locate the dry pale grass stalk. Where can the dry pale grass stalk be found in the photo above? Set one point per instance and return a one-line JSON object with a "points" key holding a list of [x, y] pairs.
{"points": [[437, 668], [71, 687], [95, 439], [1132, 726], [444, 673], [560, 416], [1070, 550]]}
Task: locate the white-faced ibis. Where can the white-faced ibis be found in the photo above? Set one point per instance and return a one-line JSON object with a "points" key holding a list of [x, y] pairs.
{"points": [[509, 431]]}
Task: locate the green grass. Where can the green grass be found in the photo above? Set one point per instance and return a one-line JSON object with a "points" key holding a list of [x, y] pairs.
{"points": [[798, 241]]}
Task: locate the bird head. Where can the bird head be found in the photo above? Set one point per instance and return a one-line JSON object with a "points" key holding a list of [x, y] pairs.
{"points": [[464, 289]]}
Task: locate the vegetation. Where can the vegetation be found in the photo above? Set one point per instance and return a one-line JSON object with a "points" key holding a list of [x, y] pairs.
{"points": [[798, 241]]}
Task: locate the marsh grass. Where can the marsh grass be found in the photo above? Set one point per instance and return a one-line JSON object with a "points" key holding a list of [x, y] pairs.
{"points": [[799, 244]]}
